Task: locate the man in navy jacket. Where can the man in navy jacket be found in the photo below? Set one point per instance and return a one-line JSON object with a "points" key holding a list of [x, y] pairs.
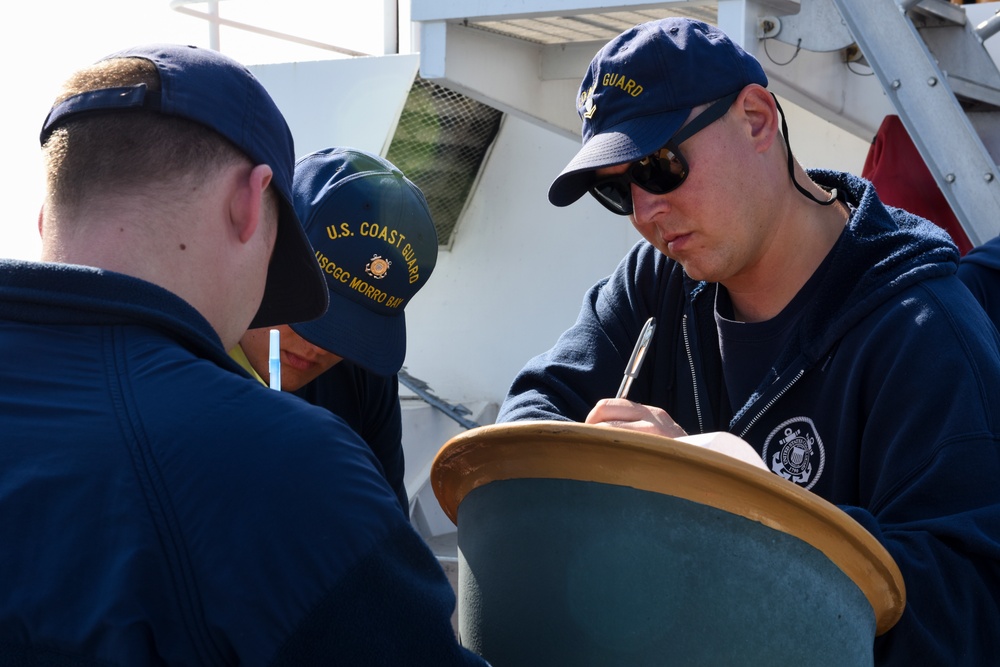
{"points": [[157, 505], [794, 310]]}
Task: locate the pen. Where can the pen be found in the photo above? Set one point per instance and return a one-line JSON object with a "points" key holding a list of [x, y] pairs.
{"points": [[638, 354], [274, 360]]}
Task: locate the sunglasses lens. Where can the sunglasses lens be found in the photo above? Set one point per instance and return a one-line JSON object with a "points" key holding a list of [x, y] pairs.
{"points": [[657, 174], [661, 172], [615, 194]]}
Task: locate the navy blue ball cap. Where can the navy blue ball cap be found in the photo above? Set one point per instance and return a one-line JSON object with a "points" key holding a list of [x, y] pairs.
{"points": [[209, 88], [376, 244], [640, 88]]}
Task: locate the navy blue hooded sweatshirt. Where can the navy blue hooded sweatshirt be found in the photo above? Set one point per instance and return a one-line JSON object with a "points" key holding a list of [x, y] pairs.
{"points": [[160, 507], [885, 402]]}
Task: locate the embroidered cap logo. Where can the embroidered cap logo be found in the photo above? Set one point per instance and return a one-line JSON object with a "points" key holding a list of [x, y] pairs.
{"points": [[588, 102], [378, 267]]}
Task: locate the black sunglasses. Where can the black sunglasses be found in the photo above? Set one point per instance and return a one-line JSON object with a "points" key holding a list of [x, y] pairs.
{"points": [[659, 173]]}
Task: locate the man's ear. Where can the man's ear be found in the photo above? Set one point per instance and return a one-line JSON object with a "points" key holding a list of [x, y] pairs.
{"points": [[761, 112], [248, 202]]}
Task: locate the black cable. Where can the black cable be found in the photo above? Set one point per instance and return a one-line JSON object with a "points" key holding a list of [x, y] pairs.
{"points": [[798, 47]]}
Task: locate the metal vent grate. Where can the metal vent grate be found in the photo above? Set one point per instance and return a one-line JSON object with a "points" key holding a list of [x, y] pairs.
{"points": [[440, 143]]}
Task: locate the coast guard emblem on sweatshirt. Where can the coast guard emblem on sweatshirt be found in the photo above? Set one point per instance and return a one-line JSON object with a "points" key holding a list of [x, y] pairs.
{"points": [[378, 267], [795, 451]]}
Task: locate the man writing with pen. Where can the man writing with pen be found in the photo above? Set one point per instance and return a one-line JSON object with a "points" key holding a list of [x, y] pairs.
{"points": [[793, 310]]}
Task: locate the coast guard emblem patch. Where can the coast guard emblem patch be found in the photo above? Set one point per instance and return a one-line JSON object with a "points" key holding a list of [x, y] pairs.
{"points": [[378, 267], [795, 451]]}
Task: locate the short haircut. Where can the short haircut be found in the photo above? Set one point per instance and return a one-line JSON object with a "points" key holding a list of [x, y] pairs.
{"points": [[130, 150]]}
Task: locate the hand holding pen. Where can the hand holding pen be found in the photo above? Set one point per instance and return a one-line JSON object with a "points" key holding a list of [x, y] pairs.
{"points": [[628, 414]]}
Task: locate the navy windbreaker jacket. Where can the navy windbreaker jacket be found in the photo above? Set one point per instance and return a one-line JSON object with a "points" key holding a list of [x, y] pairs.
{"points": [[891, 387], [369, 403], [160, 507]]}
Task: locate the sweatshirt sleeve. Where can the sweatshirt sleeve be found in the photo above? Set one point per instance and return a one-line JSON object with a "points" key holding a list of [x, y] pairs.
{"points": [[928, 487], [588, 360], [949, 563], [565, 382]]}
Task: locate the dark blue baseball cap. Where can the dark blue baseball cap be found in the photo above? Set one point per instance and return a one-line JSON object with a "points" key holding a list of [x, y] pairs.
{"points": [[209, 88], [641, 87], [376, 244]]}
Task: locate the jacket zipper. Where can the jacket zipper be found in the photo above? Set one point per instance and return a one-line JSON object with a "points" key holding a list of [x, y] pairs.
{"points": [[694, 376], [774, 399]]}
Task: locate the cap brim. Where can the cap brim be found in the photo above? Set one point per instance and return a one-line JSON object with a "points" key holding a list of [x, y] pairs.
{"points": [[625, 142], [296, 289], [352, 331]]}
